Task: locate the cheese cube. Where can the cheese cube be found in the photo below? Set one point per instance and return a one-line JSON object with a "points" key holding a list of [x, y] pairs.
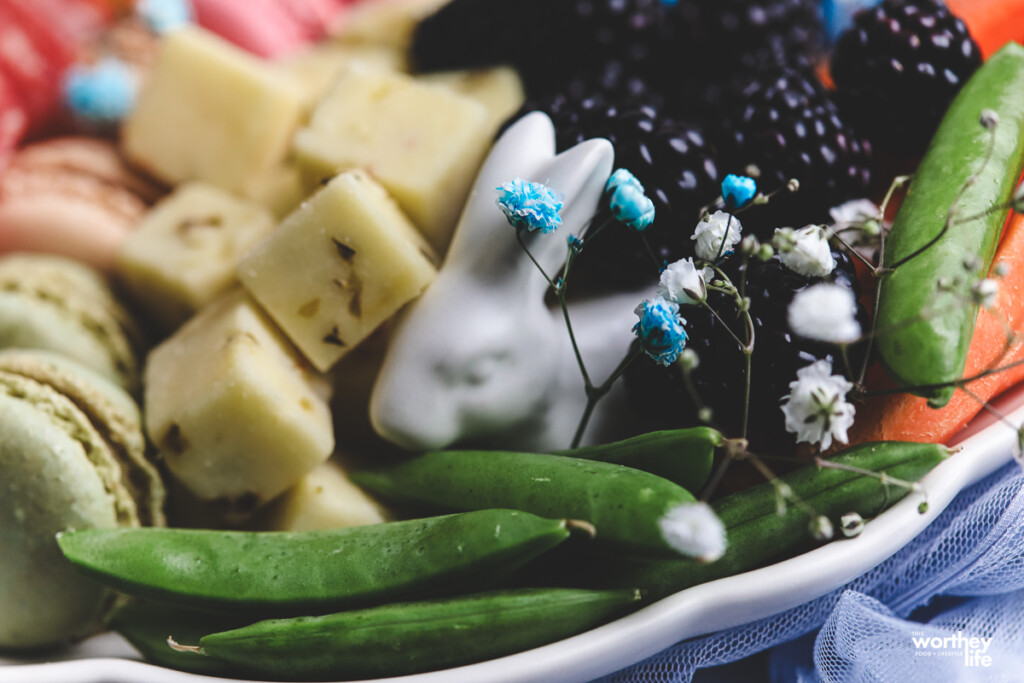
{"points": [[342, 264], [499, 89], [324, 499], [280, 189], [212, 112], [386, 23], [237, 416], [315, 70], [424, 144], [185, 250]]}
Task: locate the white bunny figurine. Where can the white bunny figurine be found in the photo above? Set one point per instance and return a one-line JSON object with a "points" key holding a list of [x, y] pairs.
{"points": [[481, 358]]}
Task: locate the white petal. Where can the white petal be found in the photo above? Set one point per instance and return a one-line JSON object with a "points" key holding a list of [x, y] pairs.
{"points": [[825, 312], [811, 254], [694, 529]]}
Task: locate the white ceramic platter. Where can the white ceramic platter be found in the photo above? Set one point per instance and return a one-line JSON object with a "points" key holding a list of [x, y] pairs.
{"points": [[985, 446]]}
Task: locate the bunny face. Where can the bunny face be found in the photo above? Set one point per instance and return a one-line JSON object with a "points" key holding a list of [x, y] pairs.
{"points": [[480, 357]]}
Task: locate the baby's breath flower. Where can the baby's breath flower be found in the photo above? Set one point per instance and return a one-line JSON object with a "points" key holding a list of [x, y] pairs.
{"points": [[660, 330], [530, 206], [851, 524], [574, 242], [711, 232], [984, 291], [693, 529], [816, 409], [619, 178], [103, 92], [738, 190], [805, 251], [821, 528], [854, 213], [163, 16], [683, 283], [825, 312]]}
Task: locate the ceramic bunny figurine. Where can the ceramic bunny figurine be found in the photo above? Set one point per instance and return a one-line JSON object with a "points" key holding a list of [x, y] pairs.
{"points": [[481, 358]]}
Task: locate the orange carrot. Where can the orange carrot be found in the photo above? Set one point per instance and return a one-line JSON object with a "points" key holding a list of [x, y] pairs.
{"points": [[908, 418], [992, 23]]}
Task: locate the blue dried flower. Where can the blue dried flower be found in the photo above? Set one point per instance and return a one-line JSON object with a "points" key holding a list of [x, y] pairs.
{"points": [[163, 16], [738, 190], [103, 92], [632, 207], [530, 206], [619, 178], [574, 242], [660, 330]]}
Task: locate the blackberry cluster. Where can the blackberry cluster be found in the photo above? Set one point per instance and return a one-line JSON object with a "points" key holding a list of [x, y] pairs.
{"points": [[660, 398], [672, 159], [898, 68], [731, 36], [789, 127]]}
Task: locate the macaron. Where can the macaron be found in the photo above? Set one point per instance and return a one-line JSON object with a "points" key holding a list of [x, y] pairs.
{"points": [[70, 449], [74, 197], [56, 304]]}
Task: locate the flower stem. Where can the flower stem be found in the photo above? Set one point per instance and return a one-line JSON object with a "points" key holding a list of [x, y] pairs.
{"points": [[595, 394]]}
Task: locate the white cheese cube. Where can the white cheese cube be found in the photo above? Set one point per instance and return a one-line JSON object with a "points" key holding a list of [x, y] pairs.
{"points": [[499, 89], [235, 412], [342, 264], [212, 112], [185, 250], [423, 143]]}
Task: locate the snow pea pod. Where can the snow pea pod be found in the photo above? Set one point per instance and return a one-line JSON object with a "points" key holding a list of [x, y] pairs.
{"points": [[312, 572], [757, 535], [926, 352], [628, 507], [412, 638], [683, 456]]}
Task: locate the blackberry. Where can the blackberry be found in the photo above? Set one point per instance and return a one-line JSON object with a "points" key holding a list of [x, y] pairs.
{"points": [[747, 35], [548, 41], [898, 68], [788, 127], [673, 160], [659, 396]]}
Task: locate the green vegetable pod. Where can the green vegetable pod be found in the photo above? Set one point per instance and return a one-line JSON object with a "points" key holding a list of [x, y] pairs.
{"points": [[312, 572], [631, 510], [921, 350], [410, 638], [758, 535], [683, 456]]}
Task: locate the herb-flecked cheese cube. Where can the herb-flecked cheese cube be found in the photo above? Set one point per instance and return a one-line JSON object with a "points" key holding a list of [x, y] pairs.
{"points": [[316, 69], [423, 143], [237, 415], [324, 499], [338, 267], [184, 252], [211, 112]]}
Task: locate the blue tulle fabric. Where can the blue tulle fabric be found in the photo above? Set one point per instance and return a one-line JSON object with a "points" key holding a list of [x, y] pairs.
{"points": [[962, 578]]}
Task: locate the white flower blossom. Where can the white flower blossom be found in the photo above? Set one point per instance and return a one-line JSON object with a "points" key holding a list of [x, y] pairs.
{"points": [[854, 213], [711, 232], [684, 283], [693, 529], [984, 292], [825, 312], [805, 251], [816, 408]]}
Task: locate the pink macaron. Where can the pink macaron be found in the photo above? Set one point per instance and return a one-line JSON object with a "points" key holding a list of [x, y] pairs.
{"points": [[71, 196]]}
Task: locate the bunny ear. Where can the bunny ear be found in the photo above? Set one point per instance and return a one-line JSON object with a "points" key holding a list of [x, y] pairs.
{"points": [[579, 175], [520, 152]]}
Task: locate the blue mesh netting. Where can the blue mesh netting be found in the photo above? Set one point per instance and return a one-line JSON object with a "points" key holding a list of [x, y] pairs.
{"points": [[865, 630]]}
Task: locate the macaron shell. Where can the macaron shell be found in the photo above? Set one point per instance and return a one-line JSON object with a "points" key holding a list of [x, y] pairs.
{"points": [[110, 410], [74, 197], [58, 474], [62, 306]]}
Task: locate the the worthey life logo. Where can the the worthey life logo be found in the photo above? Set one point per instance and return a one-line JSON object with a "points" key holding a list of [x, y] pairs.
{"points": [[972, 649]]}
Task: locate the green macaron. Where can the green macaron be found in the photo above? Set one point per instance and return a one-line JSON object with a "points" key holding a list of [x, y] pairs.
{"points": [[56, 304], [70, 451]]}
